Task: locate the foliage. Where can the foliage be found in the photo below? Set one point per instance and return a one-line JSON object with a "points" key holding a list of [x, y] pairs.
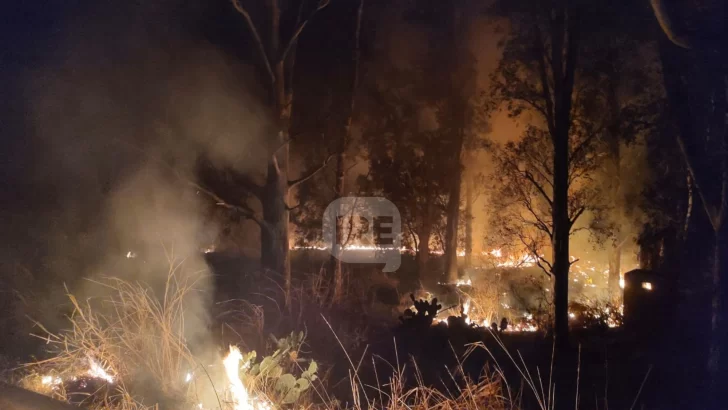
{"points": [[405, 160], [523, 205], [426, 313], [270, 370], [530, 295], [595, 315]]}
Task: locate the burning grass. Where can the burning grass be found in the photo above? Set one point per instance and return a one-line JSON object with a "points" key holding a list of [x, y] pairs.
{"points": [[138, 337], [129, 350]]}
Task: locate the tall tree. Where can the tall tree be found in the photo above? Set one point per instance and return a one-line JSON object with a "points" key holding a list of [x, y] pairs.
{"points": [[523, 203], [624, 71], [276, 48], [344, 139], [470, 199], [537, 73], [405, 158], [449, 57], [461, 79], [695, 74]]}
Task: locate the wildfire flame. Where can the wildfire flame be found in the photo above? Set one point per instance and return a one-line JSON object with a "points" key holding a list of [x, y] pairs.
{"points": [[52, 381], [460, 282], [355, 247], [241, 397], [524, 261], [97, 371], [466, 309]]}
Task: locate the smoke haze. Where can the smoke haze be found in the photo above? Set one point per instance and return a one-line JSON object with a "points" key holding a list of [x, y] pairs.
{"points": [[116, 116]]}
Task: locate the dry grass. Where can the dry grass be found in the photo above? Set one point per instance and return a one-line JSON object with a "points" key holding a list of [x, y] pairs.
{"points": [[485, 393], [135, 337], [484, 303]]}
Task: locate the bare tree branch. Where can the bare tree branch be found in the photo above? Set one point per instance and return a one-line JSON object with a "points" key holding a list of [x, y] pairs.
{"points": [[530, 178], [535, 105], [540, 261], [576, 216], [583, 145], [310, 174], [540, 223], [546, 174], [256, 36], [246, 182], [292, 138], [538, 186], [299, 29], [698, 183], [244, 211], [545, 87], [547, 271], [582, 173]]}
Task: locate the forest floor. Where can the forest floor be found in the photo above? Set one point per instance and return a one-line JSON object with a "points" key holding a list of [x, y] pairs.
{"points": [[366, 355]]}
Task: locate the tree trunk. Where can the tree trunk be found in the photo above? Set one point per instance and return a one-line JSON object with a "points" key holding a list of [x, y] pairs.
{"points": [[335, 265], [334, 262], [459, 105], [614, 130], [704, 184], [563, 67], [277, 64], [453, 217], [615, 255], [341, 152], [469, 221], [615, 262], [274, 238], [275, 191], [423, 250], [716, 364], [560, 240]]}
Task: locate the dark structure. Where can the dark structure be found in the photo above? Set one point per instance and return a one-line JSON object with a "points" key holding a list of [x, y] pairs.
{"points": [[647, 306]]}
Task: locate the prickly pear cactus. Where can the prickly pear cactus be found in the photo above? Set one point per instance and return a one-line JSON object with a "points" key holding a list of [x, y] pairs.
{"points": [[270, 369], [291, 388], [426, 313]]}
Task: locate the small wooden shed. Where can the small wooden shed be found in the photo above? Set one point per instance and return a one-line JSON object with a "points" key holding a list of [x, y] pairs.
{"points": [[646, 300]]}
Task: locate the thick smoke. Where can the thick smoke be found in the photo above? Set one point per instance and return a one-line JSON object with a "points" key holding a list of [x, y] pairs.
{"points": [[118, 115]]}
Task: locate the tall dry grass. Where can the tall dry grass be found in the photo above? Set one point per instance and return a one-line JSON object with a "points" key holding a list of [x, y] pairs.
{"points": [[486, 393], [135, 337]]}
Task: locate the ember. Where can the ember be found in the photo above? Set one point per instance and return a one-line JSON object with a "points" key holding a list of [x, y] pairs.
{"points": [[98, 372]]}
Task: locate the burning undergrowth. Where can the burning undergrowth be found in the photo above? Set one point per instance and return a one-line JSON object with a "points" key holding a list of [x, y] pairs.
{"points": [[129, 350], [514, 295]]}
